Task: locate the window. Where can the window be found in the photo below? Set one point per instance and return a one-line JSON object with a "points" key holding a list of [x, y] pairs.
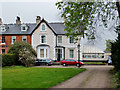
{"points": [[43, 39], [71, 39], [67, 60], [42, 53], [3, 39], [2, 27], [59, 39], [46, 53], [71, 53], [3, 51], [13, 39], [24, 38], [24, 27], [43, 27]]}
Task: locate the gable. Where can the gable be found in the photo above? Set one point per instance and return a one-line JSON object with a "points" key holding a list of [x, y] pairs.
{"points": [[46, 25]]}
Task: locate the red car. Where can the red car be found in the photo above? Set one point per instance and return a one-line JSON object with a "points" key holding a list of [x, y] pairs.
{"points": [[71, 62]]}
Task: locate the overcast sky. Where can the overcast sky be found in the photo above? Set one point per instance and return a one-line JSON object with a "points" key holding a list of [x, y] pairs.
{"points": [[28, 10]]}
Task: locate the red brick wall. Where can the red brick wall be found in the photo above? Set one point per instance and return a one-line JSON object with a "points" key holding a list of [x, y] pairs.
{"points": [[8, 41]]}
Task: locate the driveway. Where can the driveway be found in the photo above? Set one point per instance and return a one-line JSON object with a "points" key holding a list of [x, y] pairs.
{"points": [[96, 76]]}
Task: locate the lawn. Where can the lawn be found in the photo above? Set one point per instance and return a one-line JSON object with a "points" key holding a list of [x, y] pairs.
{"points": [[34, 77], [94, 63]]}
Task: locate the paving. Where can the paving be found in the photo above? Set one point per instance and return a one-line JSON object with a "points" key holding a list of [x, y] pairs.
{"points": [[96, 76]]}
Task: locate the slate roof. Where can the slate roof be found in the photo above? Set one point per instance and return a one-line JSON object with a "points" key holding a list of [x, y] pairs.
{"points": [[58, 28], [16, 29]]}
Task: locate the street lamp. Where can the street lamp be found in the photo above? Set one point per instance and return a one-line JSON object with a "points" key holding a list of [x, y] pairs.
{"points": [[79, 56]]}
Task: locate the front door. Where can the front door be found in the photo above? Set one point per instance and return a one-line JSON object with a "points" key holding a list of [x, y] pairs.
{"points": [[59, 54]]}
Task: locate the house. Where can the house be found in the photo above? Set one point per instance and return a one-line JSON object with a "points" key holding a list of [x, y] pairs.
{"points": [[48, 39], [10, 33]]}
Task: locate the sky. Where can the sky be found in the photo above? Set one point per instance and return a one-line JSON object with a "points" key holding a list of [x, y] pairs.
{"points": [[27, 10]]}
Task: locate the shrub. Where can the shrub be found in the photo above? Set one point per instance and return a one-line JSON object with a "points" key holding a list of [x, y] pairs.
{"points": [[26, 57], [8, 59], [24, 52]]}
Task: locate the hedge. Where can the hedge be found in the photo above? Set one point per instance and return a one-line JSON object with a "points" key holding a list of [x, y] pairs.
{"points": [[8, 59]]}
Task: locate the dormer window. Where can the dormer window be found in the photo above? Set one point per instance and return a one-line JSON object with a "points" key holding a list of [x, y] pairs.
{"points": [[43, 27], [24, 27], [2, 28]]}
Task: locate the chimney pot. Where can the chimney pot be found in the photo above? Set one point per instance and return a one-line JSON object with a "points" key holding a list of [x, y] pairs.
{"points": [[0, 21], [38, 19], [18, 20]]}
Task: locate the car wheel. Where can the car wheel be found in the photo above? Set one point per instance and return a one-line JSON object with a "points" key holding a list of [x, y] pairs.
{"points": [[47, 64], [78, 65], [64, 64]]}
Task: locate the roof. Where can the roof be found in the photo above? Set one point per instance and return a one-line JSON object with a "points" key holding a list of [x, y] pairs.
{"points": [[16, 29], [91, 49], [57, 28]]}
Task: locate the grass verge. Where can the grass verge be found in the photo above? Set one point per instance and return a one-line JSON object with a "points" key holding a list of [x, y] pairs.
{"points": [[115, 78], [34, 77], [94, 63]]}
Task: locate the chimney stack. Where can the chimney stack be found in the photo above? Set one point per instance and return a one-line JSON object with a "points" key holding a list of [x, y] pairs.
{"points": [[18, 20], [38, 19], [0, 21]]}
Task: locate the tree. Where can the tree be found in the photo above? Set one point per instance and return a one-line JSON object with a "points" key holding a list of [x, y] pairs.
{"points": [[115, 50], [24, 52], [108, 44], [81, 18]]}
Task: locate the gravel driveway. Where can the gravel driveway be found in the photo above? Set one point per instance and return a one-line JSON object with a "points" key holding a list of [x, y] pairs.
{"points": [[96, 76]]}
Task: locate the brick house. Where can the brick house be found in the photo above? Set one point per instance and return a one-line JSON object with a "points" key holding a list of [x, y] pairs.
{"points": [[10, 33]]}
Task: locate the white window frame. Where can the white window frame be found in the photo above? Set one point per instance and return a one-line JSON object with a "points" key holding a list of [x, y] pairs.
{"points": [[41, 39], [70, 40], [1, 51], [2, 39], [59, 39], [45, 48], [70, 53], [23, 38], [2, 28], [23, 25], [42, 27], [12, 39]]}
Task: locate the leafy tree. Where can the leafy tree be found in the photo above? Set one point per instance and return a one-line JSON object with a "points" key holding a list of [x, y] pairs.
{"points": [[81, 18], [108, 44], [115, 50], [23, 51]]}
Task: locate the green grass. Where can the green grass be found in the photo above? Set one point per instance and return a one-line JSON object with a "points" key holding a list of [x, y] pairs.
{"points": [[34, 77], [93, 63]]}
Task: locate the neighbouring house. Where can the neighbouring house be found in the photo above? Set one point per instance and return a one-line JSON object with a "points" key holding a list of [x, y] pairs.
{"points": [[10, 33], [48, 39], [91, 53]]}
